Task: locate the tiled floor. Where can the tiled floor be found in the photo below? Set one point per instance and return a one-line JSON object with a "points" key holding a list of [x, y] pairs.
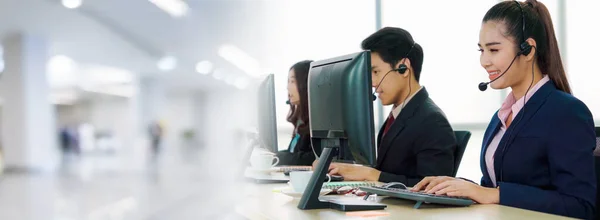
{"points": [[128, 186], [115, 188]]}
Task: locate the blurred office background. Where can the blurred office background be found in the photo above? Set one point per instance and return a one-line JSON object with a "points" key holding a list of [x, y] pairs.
{"points": [[84, 82]]}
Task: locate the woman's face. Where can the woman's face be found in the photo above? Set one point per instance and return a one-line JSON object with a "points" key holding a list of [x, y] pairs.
{"points": [[497, 52], [293, 94]]}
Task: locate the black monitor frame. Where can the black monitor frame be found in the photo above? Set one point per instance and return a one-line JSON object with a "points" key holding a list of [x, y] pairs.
{"points": [[341, 121]]}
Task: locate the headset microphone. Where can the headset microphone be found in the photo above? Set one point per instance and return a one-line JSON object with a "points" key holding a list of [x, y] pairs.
{"points": [[287, 102], [483, 85], [399, 70]]}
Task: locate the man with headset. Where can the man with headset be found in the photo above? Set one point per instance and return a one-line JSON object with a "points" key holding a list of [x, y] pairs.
{"points": [[416, 140]]}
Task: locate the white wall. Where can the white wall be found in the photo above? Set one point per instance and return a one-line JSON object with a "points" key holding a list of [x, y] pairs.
{"points": [[227, 114], [200, 110], [71, 114], [71, 33], [328, 32], [182, 111], [105, 114], [179, 116], [581, 65], [113, 114], [27, 114]]}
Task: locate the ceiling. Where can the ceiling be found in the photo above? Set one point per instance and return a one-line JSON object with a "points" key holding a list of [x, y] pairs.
{"points": [[135, 34]]}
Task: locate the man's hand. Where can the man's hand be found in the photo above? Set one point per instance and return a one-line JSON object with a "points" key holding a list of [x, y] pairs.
{"points": [[352, 172]]}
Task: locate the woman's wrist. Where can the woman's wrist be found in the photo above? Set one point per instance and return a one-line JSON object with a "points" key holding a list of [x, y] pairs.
{"points": [[493, 195]]}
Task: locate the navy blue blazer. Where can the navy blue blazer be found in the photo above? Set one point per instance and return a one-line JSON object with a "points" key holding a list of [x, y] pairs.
{"points": [[544, 161]]}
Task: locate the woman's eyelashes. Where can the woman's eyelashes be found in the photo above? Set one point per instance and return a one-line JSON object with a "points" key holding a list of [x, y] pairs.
{"points": [[491, 50]]}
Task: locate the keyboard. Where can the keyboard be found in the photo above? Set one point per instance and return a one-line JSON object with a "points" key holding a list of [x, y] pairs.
{"points": [[287, 169], [419, 197]]}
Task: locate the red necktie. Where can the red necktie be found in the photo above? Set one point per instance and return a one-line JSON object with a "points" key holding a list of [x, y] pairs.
{"points": [[389, 123]]}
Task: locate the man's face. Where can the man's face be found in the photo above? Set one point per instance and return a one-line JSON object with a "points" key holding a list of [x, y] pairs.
{"points": [[388, 84]]}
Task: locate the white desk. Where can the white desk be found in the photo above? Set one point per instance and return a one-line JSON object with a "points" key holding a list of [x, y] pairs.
{"points": [[260, 202]]}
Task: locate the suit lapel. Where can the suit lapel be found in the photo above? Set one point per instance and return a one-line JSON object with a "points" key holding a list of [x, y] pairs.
{"points": [[489, 136], [380, 134], [531, 107], [408, 112]]}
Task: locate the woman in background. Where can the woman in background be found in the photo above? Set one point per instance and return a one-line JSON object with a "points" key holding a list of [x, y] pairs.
{"points": [[300, 151]]}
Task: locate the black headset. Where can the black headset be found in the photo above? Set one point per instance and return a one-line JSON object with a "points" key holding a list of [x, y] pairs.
{"points": [[524, 46], [402, 68], [525, 49]]}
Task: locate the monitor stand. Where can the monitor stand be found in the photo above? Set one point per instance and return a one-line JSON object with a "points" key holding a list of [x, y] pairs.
{"points": [[310, 197]]}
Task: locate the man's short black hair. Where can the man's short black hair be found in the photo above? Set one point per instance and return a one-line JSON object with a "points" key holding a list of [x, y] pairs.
{"points": [[392, 44]]}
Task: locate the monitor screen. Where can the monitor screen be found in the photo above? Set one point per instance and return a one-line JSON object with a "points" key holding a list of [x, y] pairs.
{"points": [[267, 123], [341, 106]]}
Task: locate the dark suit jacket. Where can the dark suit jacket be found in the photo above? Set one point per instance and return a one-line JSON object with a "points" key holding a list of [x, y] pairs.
{"points": [[547, 163], [420, 143], [303, 154]]}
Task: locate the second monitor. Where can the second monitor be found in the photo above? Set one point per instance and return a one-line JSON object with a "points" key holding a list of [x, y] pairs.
{"points": [[267, 122], [341, 121]]}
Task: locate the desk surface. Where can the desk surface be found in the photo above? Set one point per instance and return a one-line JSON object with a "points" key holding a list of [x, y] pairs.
{"points": [[260, 202]]}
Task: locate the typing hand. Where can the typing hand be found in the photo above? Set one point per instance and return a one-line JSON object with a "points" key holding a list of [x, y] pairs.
{"points": [[429, 182], [352, 172], [331, 166], [458, 187]]}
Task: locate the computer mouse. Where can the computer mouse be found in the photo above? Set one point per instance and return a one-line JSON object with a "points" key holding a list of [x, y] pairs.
{"points": [[336, 178], [395, 185]]}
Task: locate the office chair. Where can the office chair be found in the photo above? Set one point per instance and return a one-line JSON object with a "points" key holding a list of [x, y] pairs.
{"points": [[462, 139]]}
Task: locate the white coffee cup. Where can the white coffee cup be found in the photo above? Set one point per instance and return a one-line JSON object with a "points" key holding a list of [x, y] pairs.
{"points": [[263, 161], [300, 179]]}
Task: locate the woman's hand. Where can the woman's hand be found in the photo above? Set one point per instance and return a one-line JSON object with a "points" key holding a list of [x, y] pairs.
{"points": [[450, 186]]}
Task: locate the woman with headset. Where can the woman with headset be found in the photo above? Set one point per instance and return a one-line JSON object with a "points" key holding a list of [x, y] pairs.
{"points": [[537, 149], [300, 151]]}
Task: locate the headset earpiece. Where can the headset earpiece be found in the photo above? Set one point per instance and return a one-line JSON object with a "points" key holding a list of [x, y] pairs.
{"points": [[402, 68], [525, 48]]}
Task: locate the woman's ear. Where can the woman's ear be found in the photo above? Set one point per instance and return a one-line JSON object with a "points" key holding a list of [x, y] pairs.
{"points": [[534, 51]]}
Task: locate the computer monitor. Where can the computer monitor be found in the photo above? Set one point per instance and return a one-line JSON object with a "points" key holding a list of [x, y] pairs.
{"points": [[267, 122], [341, 121], [341, 106]]}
